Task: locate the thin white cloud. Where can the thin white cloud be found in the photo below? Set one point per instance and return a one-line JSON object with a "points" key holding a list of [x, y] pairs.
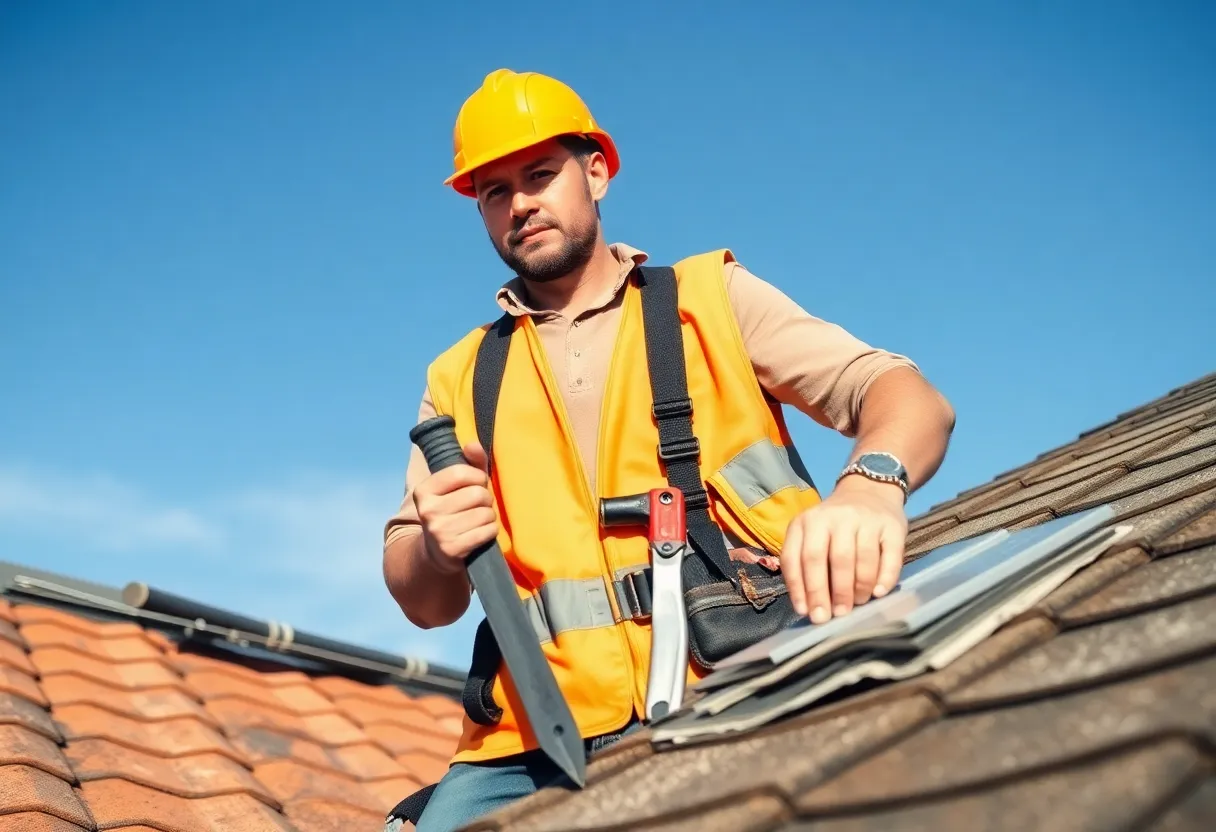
{"points": [[112, 516], [305, 552]]}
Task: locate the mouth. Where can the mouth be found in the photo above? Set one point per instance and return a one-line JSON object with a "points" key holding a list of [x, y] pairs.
{"points": [[528, 233]]}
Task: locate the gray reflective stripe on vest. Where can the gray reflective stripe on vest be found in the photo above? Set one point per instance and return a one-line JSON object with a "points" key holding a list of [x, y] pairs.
{"points": [[762, 469], [756, 473], [563, 605]]}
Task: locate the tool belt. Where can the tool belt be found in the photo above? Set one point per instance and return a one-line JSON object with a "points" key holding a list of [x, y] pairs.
{"points": [[730, 604]]}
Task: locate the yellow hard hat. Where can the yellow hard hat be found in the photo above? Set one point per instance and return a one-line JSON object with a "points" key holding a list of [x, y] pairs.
{"points": [[514, 110]]}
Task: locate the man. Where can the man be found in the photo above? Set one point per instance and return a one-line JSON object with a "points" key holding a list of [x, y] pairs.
{"points": [[530, 153]]}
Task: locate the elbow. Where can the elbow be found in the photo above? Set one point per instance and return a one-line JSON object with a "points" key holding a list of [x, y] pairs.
{"points": [[948, 415]]}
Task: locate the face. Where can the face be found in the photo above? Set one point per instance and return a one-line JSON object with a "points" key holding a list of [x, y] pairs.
{"points": [[539, 208]]}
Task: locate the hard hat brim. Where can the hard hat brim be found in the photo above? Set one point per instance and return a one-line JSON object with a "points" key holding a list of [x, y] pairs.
{"points": [[462, 180]]}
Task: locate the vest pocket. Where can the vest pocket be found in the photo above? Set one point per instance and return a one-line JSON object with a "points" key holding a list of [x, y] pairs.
{"points": [[762, 488]]}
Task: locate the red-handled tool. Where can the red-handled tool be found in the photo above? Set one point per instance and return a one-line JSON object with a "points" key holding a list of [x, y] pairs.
{"points": [[662, 509]]}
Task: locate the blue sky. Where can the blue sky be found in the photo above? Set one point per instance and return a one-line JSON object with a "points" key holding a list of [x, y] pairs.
{"points": [[226, 256]]}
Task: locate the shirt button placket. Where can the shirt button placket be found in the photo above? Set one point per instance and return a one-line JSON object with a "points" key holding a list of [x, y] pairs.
{"points": [[576, 364]]}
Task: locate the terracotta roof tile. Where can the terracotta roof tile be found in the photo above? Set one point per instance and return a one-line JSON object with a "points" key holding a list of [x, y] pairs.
{"points": [[139, 675], [406, 715], [338, 687], [364, 761], [397, 740], [320, 816], [426, 767], [28, 789], [152, 705], [1111, 794], [37, 822], [391, 792], [195, 662], [196, 775], [169, 738], [8, 632], [159, 738], [440, 707], [14, 656], [128, 648], [27, 614], [289, 781], [22, 684], [118, 803], [17, 710], [20, 746], [298, 698], [326, 729]]}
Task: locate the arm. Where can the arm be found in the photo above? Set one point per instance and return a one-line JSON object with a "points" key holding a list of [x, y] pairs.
{"points": [[438, 515], [849, 547]]}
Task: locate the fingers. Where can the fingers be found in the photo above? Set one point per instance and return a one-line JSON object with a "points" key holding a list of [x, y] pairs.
{"points": [[892, 560], [476, 455], [791, 566], [841, 566], [815, 571], [867, 562]]}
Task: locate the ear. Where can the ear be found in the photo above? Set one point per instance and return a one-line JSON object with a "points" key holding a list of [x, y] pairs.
{"points": [[595, 168]]}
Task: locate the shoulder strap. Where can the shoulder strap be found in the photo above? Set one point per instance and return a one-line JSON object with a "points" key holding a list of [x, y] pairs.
{"points": [[477, 697], [679, 448], [487, 378]]}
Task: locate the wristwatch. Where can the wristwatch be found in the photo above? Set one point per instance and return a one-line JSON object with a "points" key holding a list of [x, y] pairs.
{"points": [[879, 466]]}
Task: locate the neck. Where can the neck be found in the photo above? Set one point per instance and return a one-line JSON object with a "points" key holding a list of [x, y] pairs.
{"points": [[572, 294]]}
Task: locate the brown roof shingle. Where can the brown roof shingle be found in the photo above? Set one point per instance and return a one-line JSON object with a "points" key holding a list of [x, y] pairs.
{"points": [[1093, 710]]}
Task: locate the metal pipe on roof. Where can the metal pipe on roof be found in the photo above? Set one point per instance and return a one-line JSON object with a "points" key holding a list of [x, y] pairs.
{"points": [[280, 636]]}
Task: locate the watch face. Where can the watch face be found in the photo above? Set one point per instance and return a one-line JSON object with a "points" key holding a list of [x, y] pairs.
{"points": [[880, 464]]}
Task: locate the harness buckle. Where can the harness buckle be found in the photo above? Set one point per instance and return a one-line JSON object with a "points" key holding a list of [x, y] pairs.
{"points": [[633, 594], [679, 449]]}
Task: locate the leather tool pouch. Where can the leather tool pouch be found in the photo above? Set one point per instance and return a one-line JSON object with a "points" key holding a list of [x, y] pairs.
{"points": [[724, 618]]}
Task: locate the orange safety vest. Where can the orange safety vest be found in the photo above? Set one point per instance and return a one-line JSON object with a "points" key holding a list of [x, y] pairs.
{"points": [[566, 567]]}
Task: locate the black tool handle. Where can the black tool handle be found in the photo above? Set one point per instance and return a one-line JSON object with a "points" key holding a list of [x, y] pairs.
{"points": [[436, 438], [633, 510]]}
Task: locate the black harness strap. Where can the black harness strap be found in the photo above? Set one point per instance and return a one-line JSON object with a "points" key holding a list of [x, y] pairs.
{"points": [[491, 364], [679, 448]]}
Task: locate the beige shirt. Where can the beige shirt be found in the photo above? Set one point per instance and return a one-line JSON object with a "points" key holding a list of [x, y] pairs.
{"points": [[802, 361]]}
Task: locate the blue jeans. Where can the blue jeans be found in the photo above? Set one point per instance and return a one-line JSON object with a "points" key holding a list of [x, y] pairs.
{"points": [[471, 790]]}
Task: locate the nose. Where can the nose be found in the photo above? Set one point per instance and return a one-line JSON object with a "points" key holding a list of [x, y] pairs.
{"points": [[523, 204]]}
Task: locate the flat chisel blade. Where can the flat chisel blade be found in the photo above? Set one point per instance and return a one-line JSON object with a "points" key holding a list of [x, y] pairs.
{"points": [[545, 709]]}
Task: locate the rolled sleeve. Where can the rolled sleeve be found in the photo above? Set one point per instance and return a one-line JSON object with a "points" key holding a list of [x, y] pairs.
{"points": [[801, 360], [406, 521]]}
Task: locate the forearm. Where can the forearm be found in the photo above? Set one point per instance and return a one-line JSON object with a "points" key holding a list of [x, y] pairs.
{"points": [[427, 596], [904, 415]]}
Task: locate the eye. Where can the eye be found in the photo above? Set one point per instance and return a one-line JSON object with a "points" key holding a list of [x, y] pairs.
{"points": [[538, 174]]}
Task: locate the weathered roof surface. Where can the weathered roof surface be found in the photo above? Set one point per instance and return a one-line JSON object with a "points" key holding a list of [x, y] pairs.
{"points": [[1096, 710], [107, 724]]}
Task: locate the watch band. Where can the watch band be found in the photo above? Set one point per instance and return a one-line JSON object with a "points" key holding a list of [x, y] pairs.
{"points": [[858, 466]]}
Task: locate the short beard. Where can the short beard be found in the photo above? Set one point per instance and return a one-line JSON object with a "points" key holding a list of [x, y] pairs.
{"points": [[575, 251]]}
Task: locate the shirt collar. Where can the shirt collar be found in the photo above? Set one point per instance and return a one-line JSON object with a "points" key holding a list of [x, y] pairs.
{"points": [[510, 295]]}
